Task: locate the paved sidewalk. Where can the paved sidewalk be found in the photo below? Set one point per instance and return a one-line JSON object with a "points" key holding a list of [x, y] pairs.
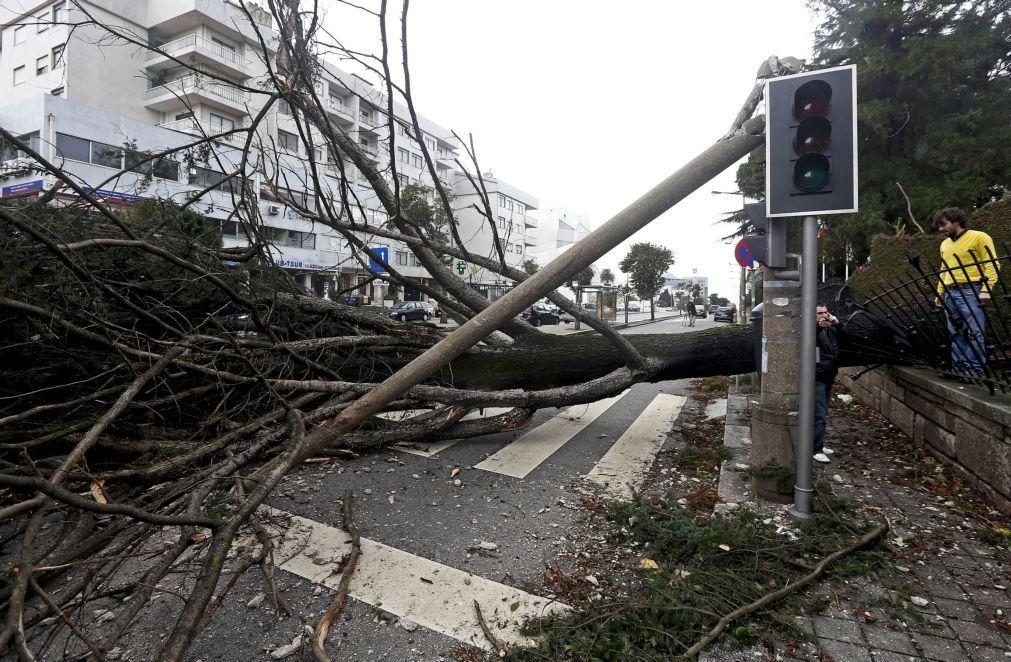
{"points": [[945, 593]]}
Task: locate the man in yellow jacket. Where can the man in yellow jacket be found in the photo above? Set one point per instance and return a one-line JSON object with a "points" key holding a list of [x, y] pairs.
{"points": [[968, 276]]}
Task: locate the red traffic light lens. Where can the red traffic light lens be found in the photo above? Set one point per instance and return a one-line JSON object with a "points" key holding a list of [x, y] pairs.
{"points": [[813, 135], [812, 98], [811, 172]]}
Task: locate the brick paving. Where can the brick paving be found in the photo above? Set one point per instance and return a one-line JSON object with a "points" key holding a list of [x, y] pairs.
{"points": [[944, 595]]}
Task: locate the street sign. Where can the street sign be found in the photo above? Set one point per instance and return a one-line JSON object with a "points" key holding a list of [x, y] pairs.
{"points": [[383, 253], [810, 143], [461, 266], [744, 255]]}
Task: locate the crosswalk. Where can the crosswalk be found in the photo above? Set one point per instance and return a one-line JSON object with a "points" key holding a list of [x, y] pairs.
{"points": [[618, 472]]}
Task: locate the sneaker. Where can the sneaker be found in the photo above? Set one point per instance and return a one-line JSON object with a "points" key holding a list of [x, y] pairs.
{"points": [[821, 457], [828, 451]]}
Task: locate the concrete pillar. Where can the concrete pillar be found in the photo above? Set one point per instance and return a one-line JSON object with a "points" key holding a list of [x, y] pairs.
{"points": [[774, 429]]}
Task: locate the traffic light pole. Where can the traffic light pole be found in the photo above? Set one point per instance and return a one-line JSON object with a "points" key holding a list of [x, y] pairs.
{"points": [[803, 490]]}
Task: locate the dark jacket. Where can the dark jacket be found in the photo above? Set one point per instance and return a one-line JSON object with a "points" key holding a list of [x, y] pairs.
{"points": [[828, 355]]}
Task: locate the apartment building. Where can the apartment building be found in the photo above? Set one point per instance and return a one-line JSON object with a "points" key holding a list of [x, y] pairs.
{"points": [[682, 286], [92, 103], [514, 226], [554, 230]]}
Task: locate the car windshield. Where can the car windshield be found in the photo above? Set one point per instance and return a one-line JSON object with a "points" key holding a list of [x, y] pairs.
{"points": [[400, 304]]}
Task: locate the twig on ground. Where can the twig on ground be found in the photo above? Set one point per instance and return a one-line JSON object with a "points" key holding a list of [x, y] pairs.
{"points": [[319, 637], [496, 644]]}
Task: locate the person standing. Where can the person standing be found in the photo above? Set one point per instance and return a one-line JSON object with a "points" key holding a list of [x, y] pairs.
{"points": [[826, 369], [968, 276]]}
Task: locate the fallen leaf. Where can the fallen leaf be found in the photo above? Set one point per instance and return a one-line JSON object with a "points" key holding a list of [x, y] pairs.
{"points": [[198, 538], [725, 548], [514, 606], [97, 492], [648, 564], [455, 472]]}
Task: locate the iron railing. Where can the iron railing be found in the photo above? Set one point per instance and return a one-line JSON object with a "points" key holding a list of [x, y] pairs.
{"points": [[951, 328]]}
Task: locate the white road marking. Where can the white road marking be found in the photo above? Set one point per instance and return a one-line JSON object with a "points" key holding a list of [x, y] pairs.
{"points": [[431, 594], [526, 453], [624, 466], [428, 450]]}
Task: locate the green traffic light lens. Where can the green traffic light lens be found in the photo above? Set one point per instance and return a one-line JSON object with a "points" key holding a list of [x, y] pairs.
{"points": [[811, 172], [813, 135], [811, 99]]}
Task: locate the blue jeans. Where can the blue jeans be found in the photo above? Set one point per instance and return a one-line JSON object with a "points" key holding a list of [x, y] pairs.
{"points": [[822, 392], [966, 326]]}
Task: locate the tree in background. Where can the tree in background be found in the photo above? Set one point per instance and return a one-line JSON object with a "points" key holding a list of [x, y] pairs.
{"points": [[645, 265], [530, 266], [607, 276], [665, 300], [585, 277], [934, 88], [717, 300]]}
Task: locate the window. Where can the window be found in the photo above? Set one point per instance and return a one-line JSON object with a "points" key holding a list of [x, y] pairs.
{"points": [[501, 222], [42, 22], [109, 156], [404, 180], [509, 205], [9, 151], [417, 161], [402, 258], [221, 123], [501, 200], [298, 239], [60, 12], [207, 178], [288, 141], [430, 144], [403, 130], [365, 114], [73, 148], [519, 208], [224, 45], [57, 56], [519, 248], [405, 156], [284, 107], [19, 75], [42, 65], [19, 35], [415, 262], [57, 92], [162, 168]]}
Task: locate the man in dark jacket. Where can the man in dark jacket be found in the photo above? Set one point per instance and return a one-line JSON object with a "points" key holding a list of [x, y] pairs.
{"points": [[824, 376]]}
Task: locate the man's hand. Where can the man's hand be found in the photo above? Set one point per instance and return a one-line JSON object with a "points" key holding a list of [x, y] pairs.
{"points": [[937, 302]]}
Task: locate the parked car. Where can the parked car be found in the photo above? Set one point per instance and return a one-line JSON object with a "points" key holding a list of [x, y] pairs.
{"points": [[538, 314], [566, 318], [713, 308], [724, 314], [633, 307], [589, 306], [700, 311], [404, 311]]}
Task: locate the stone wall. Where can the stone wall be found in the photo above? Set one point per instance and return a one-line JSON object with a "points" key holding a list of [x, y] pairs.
{"points": [[961, 425]]}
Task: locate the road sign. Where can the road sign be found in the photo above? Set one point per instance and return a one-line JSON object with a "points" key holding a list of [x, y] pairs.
{"points": [[461, 266], [383, 253], [810, 145], [744, 256]]}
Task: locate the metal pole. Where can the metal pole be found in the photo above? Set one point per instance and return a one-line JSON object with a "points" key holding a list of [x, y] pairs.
{"points": [[803, 490]]}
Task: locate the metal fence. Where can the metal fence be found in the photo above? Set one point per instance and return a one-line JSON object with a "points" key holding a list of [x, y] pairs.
{"points": [[939, 319]]}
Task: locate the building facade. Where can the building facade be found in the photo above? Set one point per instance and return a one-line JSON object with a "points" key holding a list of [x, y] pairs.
{"points": [[94, 99]]}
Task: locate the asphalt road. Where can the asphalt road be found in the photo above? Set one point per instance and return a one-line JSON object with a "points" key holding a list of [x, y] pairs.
{"points": [[437, 534]]}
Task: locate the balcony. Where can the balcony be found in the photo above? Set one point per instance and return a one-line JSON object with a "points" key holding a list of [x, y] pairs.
{"points": [[337, 107], [195, 127], [445, 156], [197, 50], [193, 89], [370, 150], [372, 120], [530, 222]]}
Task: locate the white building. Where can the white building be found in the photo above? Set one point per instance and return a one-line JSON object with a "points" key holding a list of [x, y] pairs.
{"points": [[556, 229], [510, 209], [683, 285], [89, 103]]}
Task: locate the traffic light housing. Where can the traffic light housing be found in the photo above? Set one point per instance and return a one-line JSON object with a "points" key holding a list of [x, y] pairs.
{"points": [[769, 245], [810, 143]]}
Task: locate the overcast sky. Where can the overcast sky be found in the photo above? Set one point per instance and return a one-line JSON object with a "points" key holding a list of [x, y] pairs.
{"points": [[590, 104]]}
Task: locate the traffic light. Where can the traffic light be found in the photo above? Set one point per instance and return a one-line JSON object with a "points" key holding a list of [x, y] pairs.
{"points": [[810, 143]]}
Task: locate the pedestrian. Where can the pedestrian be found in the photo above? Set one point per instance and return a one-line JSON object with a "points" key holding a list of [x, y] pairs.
{"points": [[826, 369], [968, 275], [691, 314]]}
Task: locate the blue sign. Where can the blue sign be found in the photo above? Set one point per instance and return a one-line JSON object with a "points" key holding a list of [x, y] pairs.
{"points": [[111, 196], [744, 256], [383, 252], [26, 188]]}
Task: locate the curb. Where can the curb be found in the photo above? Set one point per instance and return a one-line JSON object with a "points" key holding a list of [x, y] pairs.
{"points": [[734, 487]]}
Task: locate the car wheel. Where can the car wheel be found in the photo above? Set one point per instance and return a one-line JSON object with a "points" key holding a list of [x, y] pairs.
{"points": [[535, 321], [427, 317], [402, 317]]}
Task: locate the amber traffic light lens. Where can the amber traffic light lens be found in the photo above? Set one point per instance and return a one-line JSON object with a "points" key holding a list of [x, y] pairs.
{"points": [[813, 135], [811, 172], [811, 99]]}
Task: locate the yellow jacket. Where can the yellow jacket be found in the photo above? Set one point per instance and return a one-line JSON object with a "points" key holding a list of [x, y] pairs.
{"points": [[971, 247]]}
